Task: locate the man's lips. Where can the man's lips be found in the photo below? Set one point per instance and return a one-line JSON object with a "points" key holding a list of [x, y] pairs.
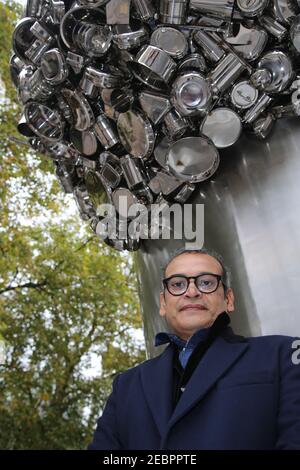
{"points": [[193, 306]]}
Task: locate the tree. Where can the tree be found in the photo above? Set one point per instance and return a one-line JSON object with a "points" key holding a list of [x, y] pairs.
{"points": [[69, 309]]}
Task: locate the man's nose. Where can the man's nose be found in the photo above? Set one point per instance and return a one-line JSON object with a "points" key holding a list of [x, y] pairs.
{"points": [[192, 290]]}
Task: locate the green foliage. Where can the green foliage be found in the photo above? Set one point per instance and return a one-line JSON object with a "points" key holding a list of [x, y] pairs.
{"points": [[68, 304]]}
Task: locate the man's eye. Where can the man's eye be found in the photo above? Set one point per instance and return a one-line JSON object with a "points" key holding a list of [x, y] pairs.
{"points": [[177, 284], [206, 283]]}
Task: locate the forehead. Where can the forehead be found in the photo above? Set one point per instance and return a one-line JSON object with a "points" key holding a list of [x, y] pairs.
{"points": [[193, 263]]}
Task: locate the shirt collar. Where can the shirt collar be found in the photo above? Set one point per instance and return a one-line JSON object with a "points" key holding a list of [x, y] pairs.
{"points": [[195, 339]]}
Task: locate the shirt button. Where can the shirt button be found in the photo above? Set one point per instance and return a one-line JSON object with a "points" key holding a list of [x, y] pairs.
{"points": [[182, 389]]}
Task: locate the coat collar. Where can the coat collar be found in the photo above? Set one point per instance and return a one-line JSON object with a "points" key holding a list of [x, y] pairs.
{"points": [[157, 376]]}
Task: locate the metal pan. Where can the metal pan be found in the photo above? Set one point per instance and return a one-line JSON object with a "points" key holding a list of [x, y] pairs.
{"points": [[153, 66], [136, 133], [193, 159], [223, 126], [44, 122]]}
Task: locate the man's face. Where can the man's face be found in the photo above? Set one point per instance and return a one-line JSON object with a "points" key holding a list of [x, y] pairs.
{"points": [[203, 308]]}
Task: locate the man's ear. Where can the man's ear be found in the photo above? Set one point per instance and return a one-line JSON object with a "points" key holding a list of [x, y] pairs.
{"points": [[230, 300], [162, 306]]}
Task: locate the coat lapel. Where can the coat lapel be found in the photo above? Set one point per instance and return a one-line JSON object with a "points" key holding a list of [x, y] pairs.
{"points": [[216, 361], [157, 378]]}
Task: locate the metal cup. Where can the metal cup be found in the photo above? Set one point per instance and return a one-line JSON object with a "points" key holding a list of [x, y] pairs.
{"points": [[76, 61], [172, 11], [44, 122], [86, 143], [133, 171], [184, 193], [256, 110], [210, 48], [195, 62], [274, 27], [23, 37], [36, 51], [191, 94], [33, 86], [243, 95], [218, 8], [170, 40], [105, 132], [153, 66], [54, 66], [263, 126], [226, 72], [105, 76], [87, 87], [280, 67], [93, 39], [253, 8], [111, 175], [144, 9], [249, 42], [130, 36], [175, 125]]}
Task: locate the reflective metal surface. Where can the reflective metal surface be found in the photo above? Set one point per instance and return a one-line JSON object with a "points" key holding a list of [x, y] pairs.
{"points": [[252, 8], [191, 94], [153, 66], [218, 8], [172, 11], [249, 42], [223, 126], [252, 219], [280, 67], [136, 133], [193, 159], [243, 95], [171, 41], [126, 76]]}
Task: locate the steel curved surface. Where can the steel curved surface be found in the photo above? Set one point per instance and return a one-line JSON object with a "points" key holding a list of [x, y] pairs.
{"points": [[251, 218]]}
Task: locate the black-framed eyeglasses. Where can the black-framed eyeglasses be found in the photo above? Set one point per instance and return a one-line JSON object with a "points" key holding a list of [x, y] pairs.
{"points": [[207, 283]]}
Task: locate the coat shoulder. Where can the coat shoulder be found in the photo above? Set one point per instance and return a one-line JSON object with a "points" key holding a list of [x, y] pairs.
{"points": [[279, 340], [145, 364]]}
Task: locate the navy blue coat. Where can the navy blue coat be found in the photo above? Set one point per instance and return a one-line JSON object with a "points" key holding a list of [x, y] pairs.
{"points": [[244, 394]]}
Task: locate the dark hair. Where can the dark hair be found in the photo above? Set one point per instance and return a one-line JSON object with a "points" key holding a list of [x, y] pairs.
{"points": [[179, 251]]}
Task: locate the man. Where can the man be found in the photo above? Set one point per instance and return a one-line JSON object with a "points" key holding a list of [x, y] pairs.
{"points": [[209, 389]]}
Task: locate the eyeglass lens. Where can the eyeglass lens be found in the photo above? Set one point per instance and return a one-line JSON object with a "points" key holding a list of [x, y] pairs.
{"points": [[206, 283]]}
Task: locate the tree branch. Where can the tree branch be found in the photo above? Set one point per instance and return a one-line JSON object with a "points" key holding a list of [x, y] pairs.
{"points": [[28, 285]]}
